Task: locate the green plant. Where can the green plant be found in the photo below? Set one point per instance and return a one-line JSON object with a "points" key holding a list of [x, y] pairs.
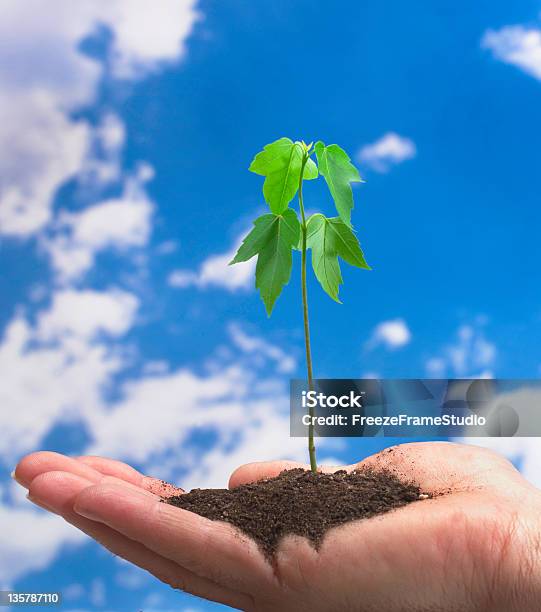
{"points": [[285, 165]]}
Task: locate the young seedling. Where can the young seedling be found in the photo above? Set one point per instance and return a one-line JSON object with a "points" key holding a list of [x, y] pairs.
{"points": [[285, 165]]}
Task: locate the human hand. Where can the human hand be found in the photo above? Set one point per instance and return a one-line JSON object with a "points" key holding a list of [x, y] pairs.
{"points": [[476, 545]]}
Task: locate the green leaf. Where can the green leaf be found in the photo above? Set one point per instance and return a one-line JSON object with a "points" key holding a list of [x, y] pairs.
{"points": [[335, 165], [272, 239], [271, 154], [280, 163], [330, 239], [310, 170]]}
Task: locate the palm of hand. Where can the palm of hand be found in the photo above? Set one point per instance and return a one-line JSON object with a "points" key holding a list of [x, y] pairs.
{"points": [[468, 548]]}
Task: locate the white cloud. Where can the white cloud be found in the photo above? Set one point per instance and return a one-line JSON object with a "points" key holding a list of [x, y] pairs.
{"points": [[263, 434], [247, 413], [262, 349], [160, 366], [40, 148], [518, 46], [44, 77], [31, 539], [57, 369], [75, 590], [167, 247], [111, 133], [390, 150], [98, 593], [186, 401], [102, 165], [87, 313], [119, 224], [44, 41], [146, 36], [182, 279], [216, 272], [242, 398], [132, 577], [436, 367], [57, 365], [54, 371], [371, 374], [470, 355], [393, 334]]}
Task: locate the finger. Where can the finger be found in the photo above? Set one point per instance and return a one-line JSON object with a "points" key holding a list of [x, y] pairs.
{"points": [[443, 466], [33, 465], [209, 548], [57, 491], [258, 470], [111, 467], [41, 462], [125, 472], [113, 480], [251, 472], [434, 466]]}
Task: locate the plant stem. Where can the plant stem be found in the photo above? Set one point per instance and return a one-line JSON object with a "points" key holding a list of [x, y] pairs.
{"points": [[311, 445]]}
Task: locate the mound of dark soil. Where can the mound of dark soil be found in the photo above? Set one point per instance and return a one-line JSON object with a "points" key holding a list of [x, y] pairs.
{"points": [[300, 502]]}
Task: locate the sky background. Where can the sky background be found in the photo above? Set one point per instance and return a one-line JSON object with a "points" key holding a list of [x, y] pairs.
{"points": [[127, 129]]}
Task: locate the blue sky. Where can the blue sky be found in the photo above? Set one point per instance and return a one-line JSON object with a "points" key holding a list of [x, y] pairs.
{"points": [[124, 191]]}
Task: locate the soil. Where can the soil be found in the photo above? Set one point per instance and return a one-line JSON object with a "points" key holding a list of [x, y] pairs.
{"points": [[301, 503]]}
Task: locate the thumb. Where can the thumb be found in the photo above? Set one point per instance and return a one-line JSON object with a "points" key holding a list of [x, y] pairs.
{"points": [[251, 472]]}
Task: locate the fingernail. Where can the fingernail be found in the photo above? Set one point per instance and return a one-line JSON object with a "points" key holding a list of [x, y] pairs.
{"points": [[14, 476], [88, 514], [34, 501]]}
